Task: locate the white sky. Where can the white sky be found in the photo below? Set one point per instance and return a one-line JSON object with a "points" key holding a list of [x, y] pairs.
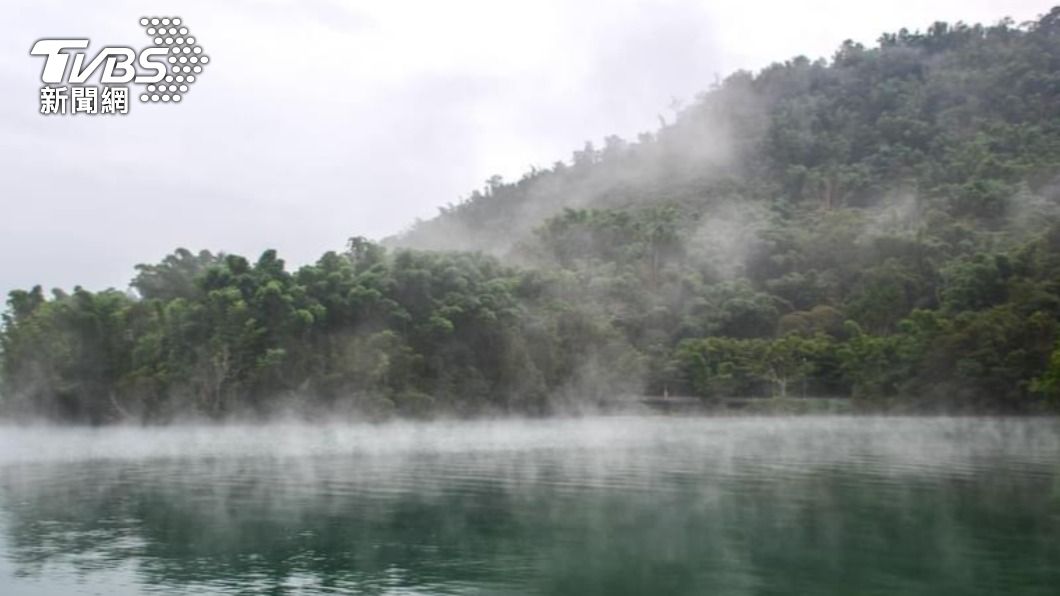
{"points": [[317, 120]]}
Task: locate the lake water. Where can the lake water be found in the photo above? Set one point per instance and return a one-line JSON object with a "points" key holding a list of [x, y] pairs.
{"points": [[611, 505]]}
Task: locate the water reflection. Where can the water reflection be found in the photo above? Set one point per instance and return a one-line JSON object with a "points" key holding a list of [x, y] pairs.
{"points": [[605, 506]]}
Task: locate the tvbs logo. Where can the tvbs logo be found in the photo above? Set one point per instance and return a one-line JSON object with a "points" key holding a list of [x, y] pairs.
{"points": [[163, 72]]}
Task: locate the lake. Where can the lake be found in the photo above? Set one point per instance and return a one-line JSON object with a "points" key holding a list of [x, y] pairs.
{"points": [[598, 505]]}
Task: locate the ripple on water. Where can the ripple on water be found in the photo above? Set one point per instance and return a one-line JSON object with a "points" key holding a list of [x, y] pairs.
{"points": [[618, 505]]}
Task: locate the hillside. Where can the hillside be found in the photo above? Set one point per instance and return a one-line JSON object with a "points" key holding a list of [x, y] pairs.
{"points": [[884, 225]]}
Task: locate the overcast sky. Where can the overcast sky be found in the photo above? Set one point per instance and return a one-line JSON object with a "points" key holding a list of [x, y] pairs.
{"points": [[317, 120]]}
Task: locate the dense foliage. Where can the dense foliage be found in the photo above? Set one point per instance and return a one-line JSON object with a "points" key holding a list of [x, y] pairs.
{"points": [[884, 225], [408, 332]]}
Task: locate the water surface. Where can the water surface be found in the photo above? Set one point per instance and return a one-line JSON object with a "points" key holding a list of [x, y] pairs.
{"points": [[639, 505]]}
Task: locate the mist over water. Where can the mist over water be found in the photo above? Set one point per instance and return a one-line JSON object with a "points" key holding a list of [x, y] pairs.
{"points": [[606, 505]]}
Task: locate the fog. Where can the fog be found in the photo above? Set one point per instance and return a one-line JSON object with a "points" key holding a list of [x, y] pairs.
{"points": [[272, 149], [907, 444], [578, 506], [646, 261]]}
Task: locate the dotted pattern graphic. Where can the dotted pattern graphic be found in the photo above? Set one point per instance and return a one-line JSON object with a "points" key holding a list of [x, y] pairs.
{"points": [[185, 58]]}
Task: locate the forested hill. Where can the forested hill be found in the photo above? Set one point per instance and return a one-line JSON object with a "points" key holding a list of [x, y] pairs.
{"points": [[960, 120], [883, 226]]}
